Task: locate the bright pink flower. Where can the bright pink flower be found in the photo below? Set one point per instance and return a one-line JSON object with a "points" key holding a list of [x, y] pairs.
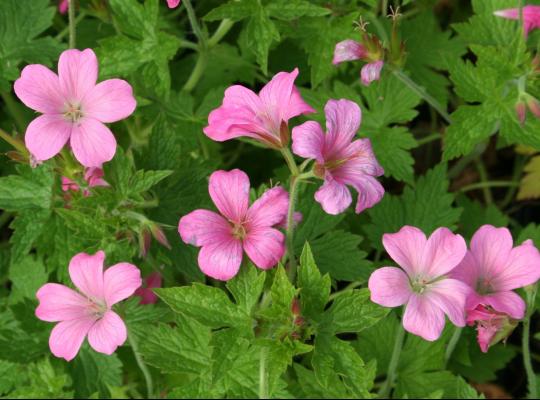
{"points": [[146, 293], [173, 3], [262, 117], [89, 311], [422, 283], [348, 50], [339, 160], [492, 326], [493, 268], [223, 238], [371, 72], [63, 6], [531, 16], [74, 108], [93, 176]]}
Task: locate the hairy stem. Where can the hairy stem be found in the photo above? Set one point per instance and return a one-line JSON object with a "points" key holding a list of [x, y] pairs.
{"points": [[220, 32], [452, 344], [142, 366], [263, 381], [386, 388], [72, 24], [481, 185], [14, 142], [525, 343], [293, 195]]}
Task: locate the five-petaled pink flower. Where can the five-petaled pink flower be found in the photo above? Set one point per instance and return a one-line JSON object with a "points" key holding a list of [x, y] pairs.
{"points": [[339, 160], [93, 177], [74, 108], [223, 238], [493, 268], [531, 17], [145, 292], [491, 326], [89, 311], [262, 117], [422, 283], [351, 50]]}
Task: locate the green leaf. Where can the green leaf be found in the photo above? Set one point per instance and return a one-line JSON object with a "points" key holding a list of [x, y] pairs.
{"points": [[531, 231], [246, 287], [427, 205], [260, 33], [352, 311], [208, 305], [424, 385], [314, 288], [144, 180], [282, 294], [27, 226], [234, 10], [288, 10], [43, 380], [20, 193], [27, 276], [476, 214], [94, 372]]}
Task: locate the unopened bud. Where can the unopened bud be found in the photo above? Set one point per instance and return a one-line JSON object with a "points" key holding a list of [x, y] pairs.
{"points": [[159, 235], [521, 111], [534, 105]]}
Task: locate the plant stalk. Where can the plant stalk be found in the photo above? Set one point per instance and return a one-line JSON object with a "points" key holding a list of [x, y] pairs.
{"points": [[525, 343], [142, 366], [72, 24], [386, 388], [452, 344]]}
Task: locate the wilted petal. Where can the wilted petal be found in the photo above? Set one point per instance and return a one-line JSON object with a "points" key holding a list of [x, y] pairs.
{"points": [[406, 248], [264, 246], [202, 227], [109, 101], [92, 142], [86, 272], [46, 135], [120, 281], [348, 50], [269, 209], [39, 88], [423, 318], [67, 337], [60, 303], [229, 191], [389, 287], [371, 72], [78, 72], [504, 302]]}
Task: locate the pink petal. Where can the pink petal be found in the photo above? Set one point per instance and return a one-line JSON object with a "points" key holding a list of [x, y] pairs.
{"points": [[92, 143], [342, 122], [522, 268], [78, 72], [308, 141], [86, 272], [371, 72], [361, 158], [46, 135], [297, 105], [202, 227], [147, 296], [229, 191], [531, 16], [265, 246], [449, 295], [94, 177], [389, 287], [60, 303], [333, 196], [406, 248], [504, 302], [67, 337], [370, 192], [491, 248], [443, 252], [467, 270], [221, 259], [423, 318], [109, 101], [173, 3], [120, 281], [39, 89], [269, 210], [63, 6], [108, 333], [348, 50]]}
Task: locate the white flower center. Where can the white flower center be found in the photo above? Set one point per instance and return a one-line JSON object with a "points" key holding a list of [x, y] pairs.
{"points": [[73, 112]]}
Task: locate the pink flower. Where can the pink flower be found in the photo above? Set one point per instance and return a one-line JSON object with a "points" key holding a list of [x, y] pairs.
{"points": [[173, 3], [93, 176], [262, 117], [63, 6], [422, 283], [531, 16], [89, 311], [493, 268], [339, 160], [74, 108], [223, 238], [371, 72], [348, 50], [145, 292], [492, 326]]}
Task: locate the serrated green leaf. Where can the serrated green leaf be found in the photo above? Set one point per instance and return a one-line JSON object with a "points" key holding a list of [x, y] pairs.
{"points": [[144, 180], [475, 215], [27, 276], [27, 227], [234, 10], [314, 288], [94, 372], [291, 9], [246, 287], [260, 33]]}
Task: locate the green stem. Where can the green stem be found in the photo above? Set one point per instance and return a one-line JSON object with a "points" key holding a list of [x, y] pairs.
{"points": [[519, 164], [14, 142], [525, 343], [142, 366], [386, 388], [424, 94], [484, 178], [452, 344], [289, 159], [429, 139], [220, 32], [290, 227], [350, 286], [197, 71], [72, 24], [193, 21], [481, 185], [65, 31], [14, 110], [263, 381]]}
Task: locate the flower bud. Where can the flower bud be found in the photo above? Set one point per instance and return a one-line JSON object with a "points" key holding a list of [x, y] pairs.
{"points": [[521, 111]]}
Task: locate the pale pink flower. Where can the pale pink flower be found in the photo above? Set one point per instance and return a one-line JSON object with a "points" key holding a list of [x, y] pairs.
{"points": [[223, 238], [493, 268], [339, 159], [88, 311], [422, 283], [74, 108], [263, 117], [348, 50], [371, 72], [531, 16], [491, 326], [145, 292], [93, 177], [173, 3], [63, 6]]}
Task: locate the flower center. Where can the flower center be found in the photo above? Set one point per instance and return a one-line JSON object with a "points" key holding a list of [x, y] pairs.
{"points": [[419, 285], [73, 112], [239, 231], [484, 286], [97, 309]]}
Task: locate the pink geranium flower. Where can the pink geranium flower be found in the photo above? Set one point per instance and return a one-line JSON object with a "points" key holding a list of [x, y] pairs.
{"points": [[494, 268], [531, 16], [339, 160], [351, 50], [74, 108], [223, 238], [492, 326], [262, 117], [93, 177], [88, 311], [422, 283], [145, 292]]}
